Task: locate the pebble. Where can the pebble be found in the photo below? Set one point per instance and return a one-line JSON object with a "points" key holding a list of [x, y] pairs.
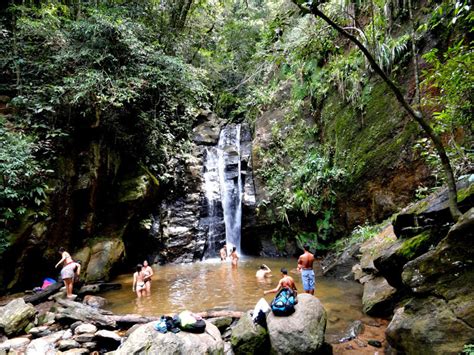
{"points": [[375, 343]]}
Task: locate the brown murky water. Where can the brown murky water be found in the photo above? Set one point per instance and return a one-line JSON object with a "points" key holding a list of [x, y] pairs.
{"points": [[215, 285]]}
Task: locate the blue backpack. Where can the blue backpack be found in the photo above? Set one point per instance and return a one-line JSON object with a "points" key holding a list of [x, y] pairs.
{"points": [[284, 302]]}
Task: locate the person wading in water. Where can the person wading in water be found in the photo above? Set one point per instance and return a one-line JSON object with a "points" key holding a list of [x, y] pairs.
{"points": [[138, 282], [305, 265]]}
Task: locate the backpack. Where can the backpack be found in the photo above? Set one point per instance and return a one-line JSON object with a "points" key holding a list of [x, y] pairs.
{"points": [[284, 302], [191, 323]]}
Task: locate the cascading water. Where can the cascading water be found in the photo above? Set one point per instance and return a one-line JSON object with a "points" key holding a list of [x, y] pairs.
{"points": [[223, 191], [231, 183], [211, 186]]}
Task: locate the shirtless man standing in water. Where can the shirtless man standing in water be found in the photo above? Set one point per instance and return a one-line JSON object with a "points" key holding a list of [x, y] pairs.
{"points": [[305, 265]]}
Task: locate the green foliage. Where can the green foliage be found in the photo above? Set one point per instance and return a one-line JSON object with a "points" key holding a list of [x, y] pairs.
{"points": [[22, 178], [103, 71], [468, 349], [410, 247], [449, 85], [359, 235]]}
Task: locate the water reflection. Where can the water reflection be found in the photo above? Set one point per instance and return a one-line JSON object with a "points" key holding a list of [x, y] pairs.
{"points": [[216, 285]]}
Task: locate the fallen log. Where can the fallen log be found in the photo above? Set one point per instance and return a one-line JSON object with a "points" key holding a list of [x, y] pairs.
{"points": [[74, 311], [42, 296], [128, 320], [216, 314]]}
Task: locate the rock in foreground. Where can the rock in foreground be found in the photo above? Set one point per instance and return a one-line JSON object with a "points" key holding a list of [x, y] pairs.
{"points": [[302, 332], [146, 340], [15, 316]]}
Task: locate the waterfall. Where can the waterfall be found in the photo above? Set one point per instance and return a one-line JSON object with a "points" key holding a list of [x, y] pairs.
{"points": [[211, 187], [231, 183], [222, 185]]}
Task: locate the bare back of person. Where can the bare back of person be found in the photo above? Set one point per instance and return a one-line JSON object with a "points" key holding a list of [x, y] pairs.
{"points": [[288, 281], [306, 261]]}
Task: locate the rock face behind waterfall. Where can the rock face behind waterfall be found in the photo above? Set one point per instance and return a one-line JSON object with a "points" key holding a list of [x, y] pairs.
{"points": [[192, 219]]}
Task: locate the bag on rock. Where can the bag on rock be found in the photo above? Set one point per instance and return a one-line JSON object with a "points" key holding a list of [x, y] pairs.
{"points": [[192, 323], [284, 302]]}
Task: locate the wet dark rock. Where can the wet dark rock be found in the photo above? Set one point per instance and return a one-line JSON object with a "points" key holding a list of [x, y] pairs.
{"points": [[340, 266], [375, 343], [352, 331], [379, 297], [84, 337], [433, 213], [439, 317]]}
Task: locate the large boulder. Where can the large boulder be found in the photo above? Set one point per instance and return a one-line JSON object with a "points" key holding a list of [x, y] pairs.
{"points": [[302, 332], [390, 261], [432, 213], [379, 297], [208, 129], [147, 340], [101, 258], [428, 326], [15, 316], [439, 318], [248, 337]]}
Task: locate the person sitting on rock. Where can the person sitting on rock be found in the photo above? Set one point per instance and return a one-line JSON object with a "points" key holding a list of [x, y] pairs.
{"points": [[285, 281], [263, 272], [67, 272], [147, 274], [138, 282]]}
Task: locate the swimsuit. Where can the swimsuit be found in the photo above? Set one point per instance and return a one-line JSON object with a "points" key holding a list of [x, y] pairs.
{"points": [[140, 286], [307, 276], [67, 272]]}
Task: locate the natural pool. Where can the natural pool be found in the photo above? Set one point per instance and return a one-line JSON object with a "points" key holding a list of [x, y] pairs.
{"points": [[216, 285]]}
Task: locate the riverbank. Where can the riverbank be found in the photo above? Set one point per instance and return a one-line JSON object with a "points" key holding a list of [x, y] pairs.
{"points": [[64, 326]]}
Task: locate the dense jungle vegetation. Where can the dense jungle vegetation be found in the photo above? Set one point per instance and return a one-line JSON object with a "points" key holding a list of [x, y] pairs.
{"points": [[138, 72]]}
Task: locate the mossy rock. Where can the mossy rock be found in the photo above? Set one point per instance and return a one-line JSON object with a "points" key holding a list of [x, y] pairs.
{"points": [[134, 189], [248, 337]]}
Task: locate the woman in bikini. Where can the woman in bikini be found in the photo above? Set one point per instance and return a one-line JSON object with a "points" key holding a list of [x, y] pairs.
{"points": [[147, 274], [138, 282], [67, 272]]}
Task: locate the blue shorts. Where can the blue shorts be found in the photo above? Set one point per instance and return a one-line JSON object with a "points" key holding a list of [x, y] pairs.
{"points": [[307, 276]]}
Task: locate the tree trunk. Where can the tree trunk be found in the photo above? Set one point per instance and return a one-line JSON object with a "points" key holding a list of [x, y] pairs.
{"points": [[417, 116]]}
